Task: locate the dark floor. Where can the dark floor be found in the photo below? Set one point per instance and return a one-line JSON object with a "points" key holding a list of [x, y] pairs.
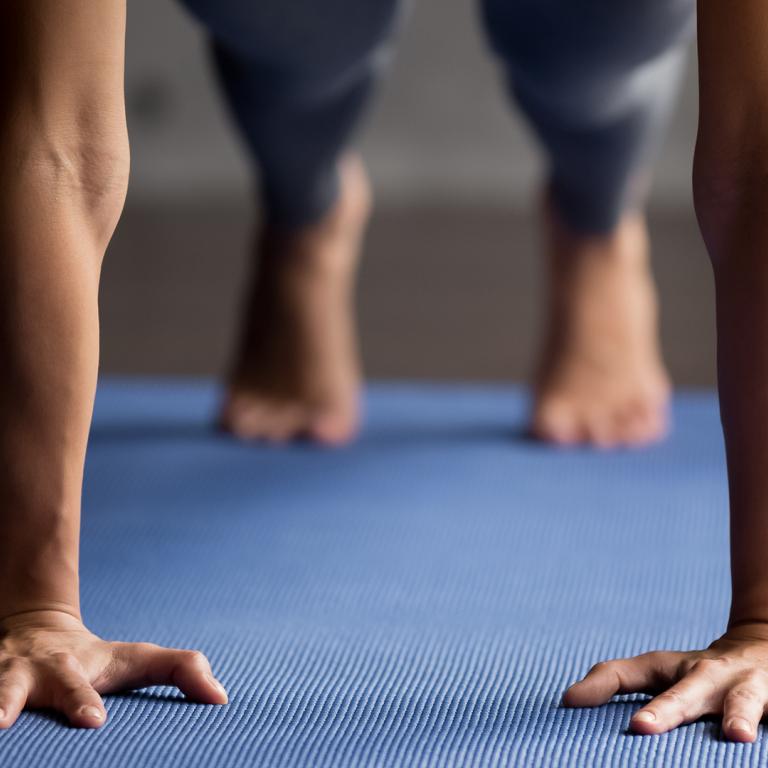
{"points": [[446, 292]]}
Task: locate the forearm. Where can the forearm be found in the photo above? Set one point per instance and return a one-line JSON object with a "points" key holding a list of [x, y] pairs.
{"points": [[63, 170], [49, 343], [731, 198], [63, 177], [730, 170], [741, 278]]}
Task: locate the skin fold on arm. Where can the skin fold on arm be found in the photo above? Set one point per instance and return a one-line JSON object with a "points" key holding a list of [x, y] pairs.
{"points": [[730, 678], [64, 162]]}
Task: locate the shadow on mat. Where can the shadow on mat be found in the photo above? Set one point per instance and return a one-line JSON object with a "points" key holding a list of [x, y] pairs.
{"points": [[376, 436], [632, 702], [52, 716], [404, 435], [157, 698], [49, 715], [155, 431]]}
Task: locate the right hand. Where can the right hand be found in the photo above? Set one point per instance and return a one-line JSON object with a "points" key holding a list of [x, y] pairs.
{"points": [[49, 660]]}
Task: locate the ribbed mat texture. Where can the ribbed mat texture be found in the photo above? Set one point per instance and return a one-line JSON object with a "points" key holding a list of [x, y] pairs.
{"points": [[421, 598]]}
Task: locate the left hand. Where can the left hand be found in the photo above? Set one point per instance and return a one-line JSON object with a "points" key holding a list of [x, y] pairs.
{"points": [[730, 678]]}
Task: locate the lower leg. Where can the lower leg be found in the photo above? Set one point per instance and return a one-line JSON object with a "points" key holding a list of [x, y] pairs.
{"points": [[296, 372], [597, 82], [601, 378], [297, 369]]}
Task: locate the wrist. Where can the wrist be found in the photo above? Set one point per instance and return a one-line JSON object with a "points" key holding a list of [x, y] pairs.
{"points": [[39, 567], [40, 613], [41, 620], [749, 607], [33, 596]]}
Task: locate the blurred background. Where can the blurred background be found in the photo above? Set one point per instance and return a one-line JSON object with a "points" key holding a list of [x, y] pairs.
{"points": [[450, 282]]}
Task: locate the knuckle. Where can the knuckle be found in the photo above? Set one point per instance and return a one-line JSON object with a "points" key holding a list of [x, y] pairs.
{"points": [[672, 697], [14, 665], [708, 665], [73, 696], [66, 662], [744, 694], [195, 658], [601, 666], [76, 688], [686, 666], [756, 678]]}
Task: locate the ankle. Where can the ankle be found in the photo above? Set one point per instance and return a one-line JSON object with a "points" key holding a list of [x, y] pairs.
{"points": [[626, 244]]}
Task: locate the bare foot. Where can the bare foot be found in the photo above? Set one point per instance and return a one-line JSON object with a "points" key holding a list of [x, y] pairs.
{"points": [[601, 380], [297, 373]]}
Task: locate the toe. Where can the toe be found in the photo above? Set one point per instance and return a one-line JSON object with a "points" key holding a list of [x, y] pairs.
{"points": [[650, 423], [256, 418], [334, 428], [634, 430], [250, 418], [555, 422], [602, 431], [283, 422], [246, 419]]}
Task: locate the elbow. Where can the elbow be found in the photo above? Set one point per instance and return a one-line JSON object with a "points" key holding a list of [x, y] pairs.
{"points": [[91, 180], [83, 182]]}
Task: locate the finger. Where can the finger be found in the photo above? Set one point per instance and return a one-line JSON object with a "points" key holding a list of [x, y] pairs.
{"points": [[138, 665], [15, 685], [743, 708], [605, 680], [73, 695], [684, 702]]}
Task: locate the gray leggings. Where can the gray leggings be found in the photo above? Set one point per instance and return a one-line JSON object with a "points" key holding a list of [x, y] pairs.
{"points": [[596, 79]]}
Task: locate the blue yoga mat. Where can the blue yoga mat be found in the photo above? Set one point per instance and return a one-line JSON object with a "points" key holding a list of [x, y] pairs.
{"points": [[420, 598]]}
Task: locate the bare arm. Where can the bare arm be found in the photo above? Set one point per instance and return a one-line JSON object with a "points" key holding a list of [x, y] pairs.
{"points": [[63, 176], [730, 175], [731, 197]]}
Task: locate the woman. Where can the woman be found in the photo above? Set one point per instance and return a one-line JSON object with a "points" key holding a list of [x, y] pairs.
{"points": [[595, 84]]}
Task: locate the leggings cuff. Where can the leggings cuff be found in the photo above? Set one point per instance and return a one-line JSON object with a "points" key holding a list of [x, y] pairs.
{"points": [[303, 205]]}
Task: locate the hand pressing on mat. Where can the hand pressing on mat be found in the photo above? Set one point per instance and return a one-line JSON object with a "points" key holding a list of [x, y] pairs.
{"points": [[49, 660], [730, 679], [64, 161]]}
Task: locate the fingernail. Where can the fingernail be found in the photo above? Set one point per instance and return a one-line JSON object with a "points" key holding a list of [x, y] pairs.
{"points": [[2, 714], [217, 685], [739, 724], [93, 712], [645, 717]]}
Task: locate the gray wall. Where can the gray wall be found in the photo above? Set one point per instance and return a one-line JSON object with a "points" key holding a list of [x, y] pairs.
{"points": [[440, 130]]}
